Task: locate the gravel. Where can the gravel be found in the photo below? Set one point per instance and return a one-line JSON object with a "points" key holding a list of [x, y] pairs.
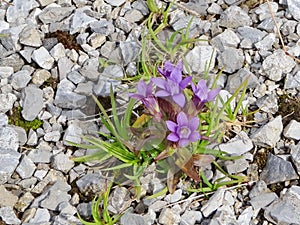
{"points": [[50, 66]]}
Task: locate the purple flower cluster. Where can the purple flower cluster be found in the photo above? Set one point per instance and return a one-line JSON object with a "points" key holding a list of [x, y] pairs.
{"points": [[169, 90]]}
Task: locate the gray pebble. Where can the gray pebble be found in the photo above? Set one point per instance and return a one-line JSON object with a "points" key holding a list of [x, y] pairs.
{"points": [[26, 167], [231, 59], [269, 134], [8, 215], [55, 14], [294, 8], [20, 79], [20, 10], [6, 102], [66, 98], [30, 37], [42, 57], [62, 162], [41, 216], [226, 39], [7, 198], [32, 102], [9, 160], [198, 58], [292, 130], [278, 170], [234, 17]]}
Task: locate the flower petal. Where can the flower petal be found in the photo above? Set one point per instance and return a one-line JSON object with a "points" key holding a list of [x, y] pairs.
{"points": [[162, 93], [201, 91], [141, 88], [171, 125], [136, 96], [183, 142], [195, 136], [172, 137], [182, 119], [185, 82], [212, 94], [159, 82], [179, 99], [194, 123]]}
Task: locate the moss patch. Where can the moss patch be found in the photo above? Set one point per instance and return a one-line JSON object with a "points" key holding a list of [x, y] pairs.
{"points": [[289, 108], [15, 118]]}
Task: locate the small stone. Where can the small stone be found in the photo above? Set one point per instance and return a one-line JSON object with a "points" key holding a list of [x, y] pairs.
{"points": [[24, 202], [168, 216], [277, 64], [85, 88], [120, 200], [269, 134], [231, 59], [3, 120], [295, 154], [294, 8], [20, 79], [41, 216], [226, 39], [20, 10], [90, 69], [199, 57], [130, 51], [236, 166], [26, 167], [66, 208], [111, 76], [42, 57], [235, 80], [62, 162], [92, 183], [15, 61], [199, 6], [133, 16], [30, 37], [46, 2], [66, 98], [115, 2], [57, 193], [234, 17], [6, 102], [277, 170], [263, 200], [266, 43], [292, 130], [190, 217], [40, 76], [75, 77], [85, 209], [252, 34], [285, 210], [213, 203], [52, 136], [103, 27], [40, 155], [176, 196], [80, 21], [55, 14], [7, 198], [32, 138], [133, 219], [96, 40], [263, 10], [58, 51], [9, 160], [6, 72], [8, 215], [32, 102], [246, 216], [65, 66], [268, 103], [22, 135]]}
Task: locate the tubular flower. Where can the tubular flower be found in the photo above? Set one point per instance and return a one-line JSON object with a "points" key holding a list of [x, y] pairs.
{"points": [[169, 88], [184, 131], [174, 73], [202, 94], [144, 94]]}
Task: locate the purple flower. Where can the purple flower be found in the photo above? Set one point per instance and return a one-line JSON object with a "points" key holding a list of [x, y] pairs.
{"points": [[202, 94], [174, 73], [169, 88], [144, 94], [184, 131]]}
